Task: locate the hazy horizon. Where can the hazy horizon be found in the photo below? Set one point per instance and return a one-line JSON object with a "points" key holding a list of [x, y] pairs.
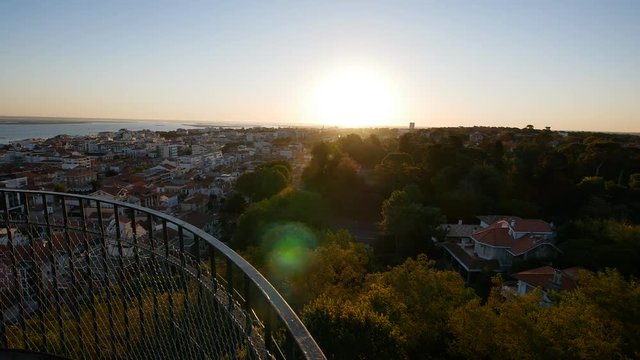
{"points": [[569, 65]]}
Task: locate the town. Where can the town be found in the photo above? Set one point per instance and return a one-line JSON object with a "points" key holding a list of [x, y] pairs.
{"points": [[179, 173]]}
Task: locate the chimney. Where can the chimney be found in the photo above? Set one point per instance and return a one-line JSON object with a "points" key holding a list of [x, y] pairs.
{"points": [[459, 222]]}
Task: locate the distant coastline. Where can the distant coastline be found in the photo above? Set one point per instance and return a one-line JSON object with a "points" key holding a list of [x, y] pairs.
{"points": [[15, 128], [46, 120], [35, 120]]}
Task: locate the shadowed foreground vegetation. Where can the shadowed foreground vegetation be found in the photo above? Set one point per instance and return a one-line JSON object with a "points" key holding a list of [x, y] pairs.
{"points": [[414, 310], [158, 324]]}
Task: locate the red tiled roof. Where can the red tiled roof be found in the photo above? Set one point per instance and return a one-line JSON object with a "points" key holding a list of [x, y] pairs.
{"points": [[197, 199], [497, 234], [542, 277], [526, 243], [531, 225], [573, 272]]}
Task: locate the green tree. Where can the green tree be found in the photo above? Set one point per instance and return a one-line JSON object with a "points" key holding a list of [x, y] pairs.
{"points": [[616, 302], [264, 182], [593, 322], [367, 152], [234, 204], [289, 205], [408, 224], [396, 171], [335, 176], [599, 244], [337, 268], [418, 299], [352, 330]]}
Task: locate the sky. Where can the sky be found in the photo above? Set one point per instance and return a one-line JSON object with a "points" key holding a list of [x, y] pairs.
{"points": [[568, 64]]}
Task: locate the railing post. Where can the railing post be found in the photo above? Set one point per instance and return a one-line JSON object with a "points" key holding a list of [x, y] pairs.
{"points": [[137, 271], [3, 335], [165, 238], [268, 339], [154, 290], [14, 269], [230, 283], [89, 275], [36, 271], [247, 293], [199, 293], [71, 268], [212, 265], [3, 327], [107, 283], [54, 274], [121, 280], [183, 264]]}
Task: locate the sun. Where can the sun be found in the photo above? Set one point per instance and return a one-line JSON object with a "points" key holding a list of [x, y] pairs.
{"points": [[354, 96]]}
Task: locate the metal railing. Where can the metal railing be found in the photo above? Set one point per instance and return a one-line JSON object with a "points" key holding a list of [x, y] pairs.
{"points": [[84, 277]]}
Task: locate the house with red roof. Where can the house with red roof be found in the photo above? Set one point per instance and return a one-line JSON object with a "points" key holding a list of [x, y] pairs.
{"points": [[514, 237], [546, 278], [496, 244]]}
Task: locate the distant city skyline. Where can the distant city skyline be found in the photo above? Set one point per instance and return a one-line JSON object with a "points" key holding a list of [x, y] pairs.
{"points": [[570, 65]]}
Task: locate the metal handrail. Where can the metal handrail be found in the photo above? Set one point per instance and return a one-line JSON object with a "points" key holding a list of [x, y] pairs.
{"points": [[307, 346]]}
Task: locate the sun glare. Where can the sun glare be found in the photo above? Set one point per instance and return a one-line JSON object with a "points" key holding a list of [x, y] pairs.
{"points": [[353, 97]]}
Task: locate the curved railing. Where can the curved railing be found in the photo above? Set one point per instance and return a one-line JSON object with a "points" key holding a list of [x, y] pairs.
{"points": [[85, 277]]}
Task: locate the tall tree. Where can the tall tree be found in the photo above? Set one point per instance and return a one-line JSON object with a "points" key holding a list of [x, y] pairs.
{"points": [[289, 205], [335, 176], [418, 299], [352, 330], [408, 224], [264, 182]]}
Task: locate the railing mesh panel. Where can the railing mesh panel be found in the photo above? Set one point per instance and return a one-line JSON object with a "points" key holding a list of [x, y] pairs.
{"points": [[80, 289]]}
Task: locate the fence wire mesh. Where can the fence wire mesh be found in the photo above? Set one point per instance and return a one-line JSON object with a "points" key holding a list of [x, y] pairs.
{"points": [[83, 279]]}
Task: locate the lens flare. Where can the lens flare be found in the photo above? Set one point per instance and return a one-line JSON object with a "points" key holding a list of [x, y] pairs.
{"points": [[290, 245]]}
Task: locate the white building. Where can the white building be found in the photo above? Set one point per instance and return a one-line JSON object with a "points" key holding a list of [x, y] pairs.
{"points": [[168, 151]]}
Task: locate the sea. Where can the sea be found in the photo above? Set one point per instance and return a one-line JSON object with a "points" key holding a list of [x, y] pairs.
{"points": [[20, 128]]}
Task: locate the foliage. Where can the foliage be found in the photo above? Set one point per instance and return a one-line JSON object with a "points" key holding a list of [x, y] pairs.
{"points": [[615, 302], [367, 152], [416, 290], [408, 224], [578, 326], [289, 205], [266, 181], [234, 204], [352, 330], [396, 171], [113, 334], [616, 245], [335, 176], [336, 268]]}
